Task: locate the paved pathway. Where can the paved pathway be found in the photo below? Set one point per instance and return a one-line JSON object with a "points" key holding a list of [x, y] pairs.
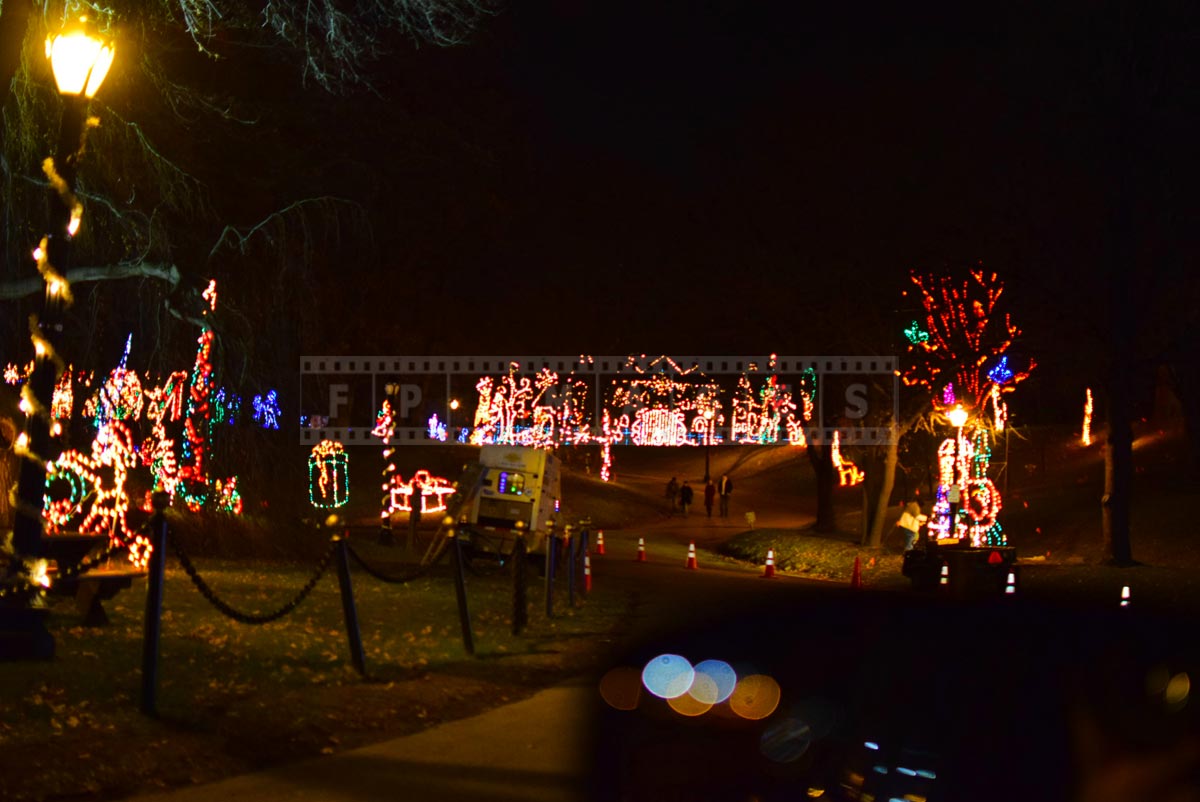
{"points": [[532, 750]]}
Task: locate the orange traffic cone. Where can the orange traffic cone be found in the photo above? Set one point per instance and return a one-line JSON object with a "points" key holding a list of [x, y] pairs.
{"points": [[641, 553], [600, 542], [587, 573], [944, 579], [1010, 585], [856, 575], [691, 558], [769, 568], [1125, 600]]}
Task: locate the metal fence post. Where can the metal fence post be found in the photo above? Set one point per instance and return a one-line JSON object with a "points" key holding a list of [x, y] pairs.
{"points": [[349, 611], [520, 561], [152, 626], [551, 548], [570, 566], [460, 591]]}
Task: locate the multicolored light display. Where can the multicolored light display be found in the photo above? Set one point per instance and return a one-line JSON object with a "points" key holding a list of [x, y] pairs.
{"points": [[965, 332], [1086, 436], [328, 475], [434, 491]]}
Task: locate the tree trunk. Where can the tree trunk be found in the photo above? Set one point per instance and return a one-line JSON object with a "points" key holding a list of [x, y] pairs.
{"points": [[884, 498], [1118, 475], [8, 472], [1123, 322], [821, 457]]}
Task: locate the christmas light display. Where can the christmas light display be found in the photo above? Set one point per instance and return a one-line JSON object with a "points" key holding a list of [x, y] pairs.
{"points": [[228, 498], [266, 410], [849, 474], [999, 409], [966, 332], [916, 334], [1000, 374], [119, 398], [165, 403], [328, 475], [64, 398], [385, 429], [435, 429], [765, 416], [663, 410], [435, 490], [963, 465], [226, 407], [197, 427], [1087, 419], [543, 412], [13, 374], [97, 479], [210, 294]]}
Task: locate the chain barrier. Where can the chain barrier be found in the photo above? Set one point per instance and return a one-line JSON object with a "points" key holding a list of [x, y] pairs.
{"points": [[27, 586], [251, 618], [382, 577]]}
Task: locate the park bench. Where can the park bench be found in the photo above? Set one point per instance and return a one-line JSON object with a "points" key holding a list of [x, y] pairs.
{"points": [[94, 586]]}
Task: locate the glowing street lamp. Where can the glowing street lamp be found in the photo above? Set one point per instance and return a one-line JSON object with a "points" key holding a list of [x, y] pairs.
{"points": [[958, 417], [80, 58]]}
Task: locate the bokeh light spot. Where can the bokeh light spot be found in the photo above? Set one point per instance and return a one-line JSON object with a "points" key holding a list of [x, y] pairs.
{"points": [[1177, 690], [668, 676], [703, 689], [786, 740], [755, 697], [687, 705], [719, 681], [621, 687]]}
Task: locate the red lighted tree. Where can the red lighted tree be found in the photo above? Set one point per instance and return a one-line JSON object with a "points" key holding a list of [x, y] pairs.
{"points": [[960, 346]]}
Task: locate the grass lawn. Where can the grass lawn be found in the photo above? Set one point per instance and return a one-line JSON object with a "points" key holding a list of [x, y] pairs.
{"points": [[235, 697]]}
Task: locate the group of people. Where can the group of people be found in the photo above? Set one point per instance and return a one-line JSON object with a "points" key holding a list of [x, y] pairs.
{"points": [[680, 497]]}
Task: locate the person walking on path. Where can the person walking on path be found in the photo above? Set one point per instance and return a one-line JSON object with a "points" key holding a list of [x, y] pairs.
{"points": [[910, 523], [685, 497], [710, 493], [725, 490], [672, 496]]}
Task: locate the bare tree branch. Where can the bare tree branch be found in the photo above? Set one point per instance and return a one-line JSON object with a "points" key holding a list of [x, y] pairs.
{"points": [[24, 287]]}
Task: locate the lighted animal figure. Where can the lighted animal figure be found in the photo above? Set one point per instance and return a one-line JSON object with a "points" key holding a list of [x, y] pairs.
{"points": [[849, 474], [103, 474]]}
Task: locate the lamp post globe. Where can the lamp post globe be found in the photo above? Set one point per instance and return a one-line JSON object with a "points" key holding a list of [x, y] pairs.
{"points": [[958, 417], [80, 58]]}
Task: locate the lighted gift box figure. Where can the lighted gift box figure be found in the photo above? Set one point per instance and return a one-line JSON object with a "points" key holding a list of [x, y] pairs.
{"points": [[328, 475], [433, 490]]}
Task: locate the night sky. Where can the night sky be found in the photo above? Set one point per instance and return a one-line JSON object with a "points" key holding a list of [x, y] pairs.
{"points": [[702, 177]]}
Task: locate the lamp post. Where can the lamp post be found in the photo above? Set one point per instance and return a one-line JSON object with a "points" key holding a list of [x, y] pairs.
{"points": [[450, 420], [958, 418], [708, 432], [80, 59]]}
